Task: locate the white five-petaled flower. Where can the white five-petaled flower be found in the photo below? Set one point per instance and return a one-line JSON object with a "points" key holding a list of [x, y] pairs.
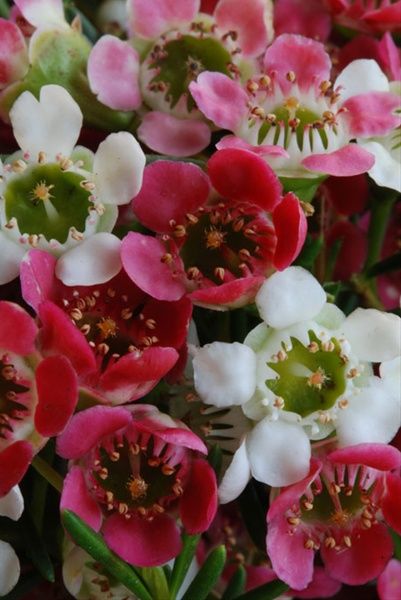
{"points": [[304, 374], [11, 506]]}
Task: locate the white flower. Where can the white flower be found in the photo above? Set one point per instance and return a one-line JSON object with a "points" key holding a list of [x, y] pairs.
{"points": [[11, 506], [55, 196]]}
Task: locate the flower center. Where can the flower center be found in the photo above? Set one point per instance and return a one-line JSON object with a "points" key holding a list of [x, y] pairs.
{"points": [[12, 400]]}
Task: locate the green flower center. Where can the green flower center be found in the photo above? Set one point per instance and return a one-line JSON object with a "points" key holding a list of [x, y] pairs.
{"points": [[309, 378], [45, 200]]}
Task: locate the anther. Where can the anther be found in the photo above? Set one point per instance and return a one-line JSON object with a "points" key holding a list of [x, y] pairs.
{"points": [[347, 541], [293, 521], [258, 111], [103, 473], [307, 505], [252, 86], [115, 456], [330, 542], [313, 347], [41, 157], [309, 544], [328, 346], [126, 314], [290, 76], [166, 258], [219, 272], [180, 231], [167, 470]]}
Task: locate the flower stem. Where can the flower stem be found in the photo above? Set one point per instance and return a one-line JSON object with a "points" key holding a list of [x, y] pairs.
{"points": [[380, 214], [51, 476]]}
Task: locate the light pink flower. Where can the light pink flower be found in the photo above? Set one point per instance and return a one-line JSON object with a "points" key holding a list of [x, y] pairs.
{"points": [[134, 470]]}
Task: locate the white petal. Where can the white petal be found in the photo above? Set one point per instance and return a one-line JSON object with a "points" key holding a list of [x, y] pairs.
{"points": [[118, 168], [360, 77], [290, 296], [9, 568], [225, 374], [43, 13], [94, 261], [330, 316], [236, 477], [11, 256], [73, 569], [279, 452], [12, 504], [51, 125], [374, 335], [390, 372], [386, 170], [373, 416]]}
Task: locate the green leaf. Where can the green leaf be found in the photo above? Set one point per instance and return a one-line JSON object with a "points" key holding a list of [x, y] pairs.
{"points": [[389, 264], [182, 563], [268, 591], [35, 548], [254, 515], [207, 576], [397, 544], [304, 188], [156, 581], [310, 252], [236, 585], [85, 537], [215, 459]]}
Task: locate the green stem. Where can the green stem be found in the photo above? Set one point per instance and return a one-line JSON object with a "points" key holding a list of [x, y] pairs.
{"points": [[364, 289], [380, 214], [51, 476], [4, 9]]}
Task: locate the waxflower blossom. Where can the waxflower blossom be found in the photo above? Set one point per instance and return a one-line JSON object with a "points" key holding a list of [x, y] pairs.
{"points": [[293, 106], [341, 509], [174, 44], [304, 374], [216, 245], [366, 16], [132, 472], [120, 340], [30, 412], [54, 196]]}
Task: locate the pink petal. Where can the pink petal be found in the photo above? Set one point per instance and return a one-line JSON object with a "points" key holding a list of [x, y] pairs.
{"points": [[59, 336], [221, 99], [142, 256], [392, 501], [388, 17], [14, 462], [143, 543], [349, 195], [233, 294], [170, 190], [232, 141], [13, 54], [56, 402], [376, 456], [76, 497], [389, 582], [390, 56], [370, 552], [291, 561], [251, 22], [291, 227], [37, 277], [306, 18], [17, 329], [167, 134], [112, 60], [345, 162], [170, 331], [132, 376], [371, 114], [199, 502], [150, 18], [306, 58], [243, 176], [155, 423], [321, 586], [97, 422]]}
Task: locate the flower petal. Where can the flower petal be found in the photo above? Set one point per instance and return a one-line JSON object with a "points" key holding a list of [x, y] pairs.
{"points": [[37, 277], [14, 462], [307, 18], [278, 452], [37, 124], [385, 171], [361, 76], [76, 497], [236, 477], [391, 502], [95, 260], [112, 59], [41, 13], [290, 297], [221, 99], [347, 161], [118, 168], [9, 568], [377, 456], [252, 21], [233, 294], [291, 227], [11, 256], [17, 329], [298, 571], [12, 504], [232, 141], [372, 114], [375, 336], [225, 374], [14, 61], [198, 504], [389, 582], [167, 134], [150, 18]]}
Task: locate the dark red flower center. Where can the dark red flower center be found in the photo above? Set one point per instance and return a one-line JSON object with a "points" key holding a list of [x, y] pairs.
{"points": [[13, 401]]}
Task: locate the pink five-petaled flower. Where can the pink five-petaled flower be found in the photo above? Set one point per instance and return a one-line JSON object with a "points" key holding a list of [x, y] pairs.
{"points": [[30, 410], [339, 509], [135, 469], [120, 341], [215, 245], [293, 107]]}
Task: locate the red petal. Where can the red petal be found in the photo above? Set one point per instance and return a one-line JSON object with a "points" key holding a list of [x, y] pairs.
{"points": [[290, 225], [17, 329], [14, 462], [172, 320], [391, 502], [349, 195], [233, 294], [37, 277], [76, 497], [377, 456], [199, 502]]}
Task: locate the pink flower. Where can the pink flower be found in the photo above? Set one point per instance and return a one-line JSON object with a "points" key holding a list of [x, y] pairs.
{"points": [[339, 509], [30, 411], [306, 18], [217, 245], [385, 52], [368, 16], [134, 471], [120, 341], [389, 582], [294, 116]]}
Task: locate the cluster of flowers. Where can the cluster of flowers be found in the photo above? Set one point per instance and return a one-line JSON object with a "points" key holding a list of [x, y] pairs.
{"points": [[268, 197]]}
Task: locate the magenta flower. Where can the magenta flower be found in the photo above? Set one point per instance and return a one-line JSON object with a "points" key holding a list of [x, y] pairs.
{"points": [[134, 471], [341, 509], [120, 341], [216, 245], [30, 410], [293, 108]]}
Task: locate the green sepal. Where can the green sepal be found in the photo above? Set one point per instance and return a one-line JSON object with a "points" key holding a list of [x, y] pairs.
{"points": [[182, 563], [208, 575], [156, 581], [268, 591], [303, 187], [236, 585]]}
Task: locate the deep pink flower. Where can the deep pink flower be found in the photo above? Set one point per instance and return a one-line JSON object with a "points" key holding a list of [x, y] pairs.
{"points": [[384, 52], [30, 409], [368, 16], [216, 245], [339, 509], [134, 471], [120, 340]]}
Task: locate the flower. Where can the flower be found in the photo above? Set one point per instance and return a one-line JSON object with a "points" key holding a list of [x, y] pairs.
{"points": [[389, 582], [54, 196], [173, 43], [293, 106], [339, 509], [304, 374], [215, 246], [120, 341], [132, 471], [11, 506], [369, 17]]}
